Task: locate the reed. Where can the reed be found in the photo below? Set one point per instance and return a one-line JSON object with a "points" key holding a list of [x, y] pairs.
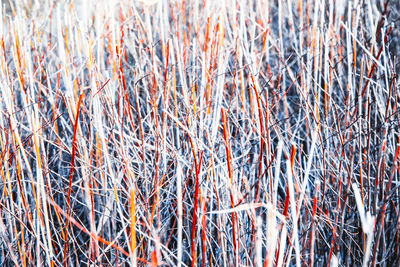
{"points": [[199, 133]]}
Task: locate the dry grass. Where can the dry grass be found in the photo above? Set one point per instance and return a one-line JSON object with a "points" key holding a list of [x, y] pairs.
{"points": [[199, 133]]}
